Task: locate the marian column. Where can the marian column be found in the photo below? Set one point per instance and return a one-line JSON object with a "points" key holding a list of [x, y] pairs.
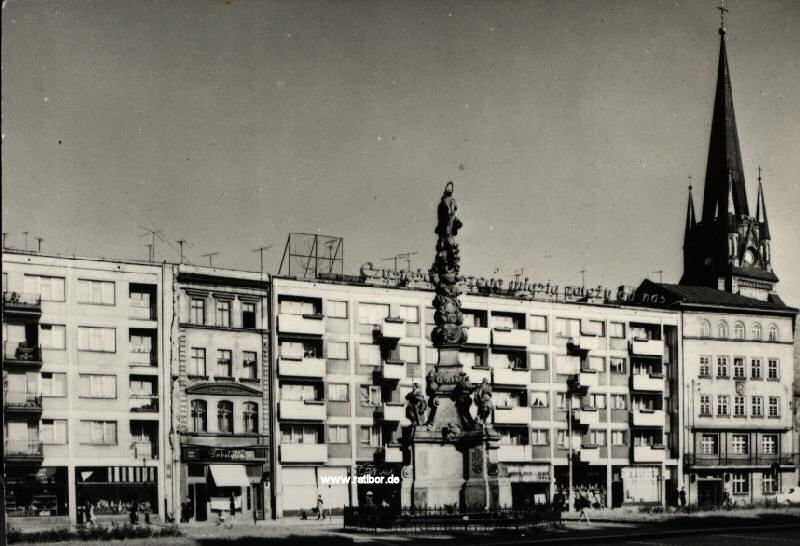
{"points": [[454, 461]]}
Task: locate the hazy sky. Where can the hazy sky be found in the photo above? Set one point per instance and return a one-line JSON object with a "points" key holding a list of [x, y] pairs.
{"points": [[569, 127]]}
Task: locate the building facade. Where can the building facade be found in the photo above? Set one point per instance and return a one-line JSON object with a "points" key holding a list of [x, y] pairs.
{"points": [[219, 357], [83, 370]]}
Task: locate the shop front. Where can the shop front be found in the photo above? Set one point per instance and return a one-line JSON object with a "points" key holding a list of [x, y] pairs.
{"points": [[218, 480], [33, 491], [113, 490], [379, 485], [641, 485], [530, 484]]}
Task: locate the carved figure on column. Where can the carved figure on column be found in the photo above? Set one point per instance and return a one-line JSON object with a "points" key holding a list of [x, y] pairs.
{"points": [[483, 400], [415, 410]]}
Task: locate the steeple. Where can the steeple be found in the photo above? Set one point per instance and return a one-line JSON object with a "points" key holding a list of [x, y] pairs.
{"points": [[691, 221], [761, 210]]}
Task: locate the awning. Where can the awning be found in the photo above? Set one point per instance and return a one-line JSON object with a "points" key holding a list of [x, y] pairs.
{"points": [[229, 475]]}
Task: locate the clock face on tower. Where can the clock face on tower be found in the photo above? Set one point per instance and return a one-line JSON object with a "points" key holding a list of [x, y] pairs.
{"points": [[749, 257]]}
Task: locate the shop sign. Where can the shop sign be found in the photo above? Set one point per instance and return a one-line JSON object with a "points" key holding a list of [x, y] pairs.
{"points": [[221, 454], [370, 469], [528, 472]]}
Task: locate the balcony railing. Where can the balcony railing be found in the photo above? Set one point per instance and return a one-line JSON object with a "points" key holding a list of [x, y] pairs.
{"points": [[652, 382], [511, 376], [313, 325], [23, 448], [510, 337], [518, 415], [142, 311], [648, 418], [304, 453], [477, 335], [21, 302], [22, 352], [145, 450], [305, 410], [22, 400], [301, 367], [392, 328], [649, 454], [143, 359], [648, 347], [141, 403], [761, 459], [514, 453]]}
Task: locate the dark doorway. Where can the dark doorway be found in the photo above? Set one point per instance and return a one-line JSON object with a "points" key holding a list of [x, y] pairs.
{"points": [[709, 493], [197, 492]]}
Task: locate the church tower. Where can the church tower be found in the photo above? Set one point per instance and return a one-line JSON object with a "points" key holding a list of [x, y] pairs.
{"points": [[728, 249]]}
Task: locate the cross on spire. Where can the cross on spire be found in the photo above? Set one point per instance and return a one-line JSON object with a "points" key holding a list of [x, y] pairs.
{"points": [[722, 10], [759, 174]]}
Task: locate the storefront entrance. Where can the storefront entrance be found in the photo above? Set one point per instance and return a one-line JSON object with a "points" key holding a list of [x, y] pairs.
{"points": [[709, 493], [36, 491], [385, 494], [530, 484]]}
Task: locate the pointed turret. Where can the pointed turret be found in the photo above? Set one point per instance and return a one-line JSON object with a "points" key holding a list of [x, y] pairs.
{"points": [[691, 221], [730, 214], [761, 210]]}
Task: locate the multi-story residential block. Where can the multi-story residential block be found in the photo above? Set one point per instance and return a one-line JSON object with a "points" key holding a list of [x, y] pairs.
{"points": [[347, 353], [219, 341], [83, 367]]}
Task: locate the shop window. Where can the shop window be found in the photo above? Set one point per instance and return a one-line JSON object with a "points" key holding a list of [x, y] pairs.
{"points": [[199, 421], [225, 417]]}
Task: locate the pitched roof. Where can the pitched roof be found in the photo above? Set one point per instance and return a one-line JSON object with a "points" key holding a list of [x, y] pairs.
{"points": [[678, 295]]}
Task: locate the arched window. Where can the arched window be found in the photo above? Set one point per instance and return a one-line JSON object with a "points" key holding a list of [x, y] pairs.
{"points": [[772, 333], [738, 330], [722, 330], [199, 419], [250, 415], [225, 416], [755, 331], [705, 328]]}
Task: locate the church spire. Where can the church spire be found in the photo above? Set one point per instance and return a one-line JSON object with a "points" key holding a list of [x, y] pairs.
{"points": [[724, 155], [691, 221], [761, 210]]}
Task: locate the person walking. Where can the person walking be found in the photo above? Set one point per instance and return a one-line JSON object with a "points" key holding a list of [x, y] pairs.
{"points": [[582, 504], [320, 508], [233, 507], [682, 498], [558, 508]]}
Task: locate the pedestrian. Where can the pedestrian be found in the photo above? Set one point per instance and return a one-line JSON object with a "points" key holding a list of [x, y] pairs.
{"points": [[558, 508], [582, 504], [134, 512], [682, 498], [233, 507], [320, 508]]}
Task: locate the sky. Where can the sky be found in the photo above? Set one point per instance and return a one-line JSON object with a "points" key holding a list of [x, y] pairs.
{"points": [[569, 128]]}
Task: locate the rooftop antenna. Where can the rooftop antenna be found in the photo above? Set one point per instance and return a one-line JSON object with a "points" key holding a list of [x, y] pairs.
{"points": [[149, 252], [38, 243], [407, 257], [181, 242], [210, 256], [261, 250], [518, 273], [660, 275], [25, 233], [153, 233], [583, 276]]}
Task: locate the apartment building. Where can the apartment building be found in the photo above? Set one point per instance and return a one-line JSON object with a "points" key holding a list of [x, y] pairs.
{"points": [[598, 380], [219, 358], [83, 368]]}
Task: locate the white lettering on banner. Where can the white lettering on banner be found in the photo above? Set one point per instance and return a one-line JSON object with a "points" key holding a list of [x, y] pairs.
{"points": [[529, 473], [363, 480]]}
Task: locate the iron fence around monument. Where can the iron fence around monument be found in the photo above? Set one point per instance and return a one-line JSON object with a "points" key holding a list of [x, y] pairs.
{"points": [[445, 519]]}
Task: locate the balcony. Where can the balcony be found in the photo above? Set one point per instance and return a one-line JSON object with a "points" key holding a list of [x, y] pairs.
{"points": [[649, 454], [590, 454], [301, 367], [310, 325], [584, 379], [514, 454], [393, 455], [511, 337], [21, 401], [477, 375], [22, 354], [143, 403], [142, 311], [478, 336], [143, 359], [22, 304], [394, 369], [392, 412], [568, 364], [304, 453], [648, 418], [145, 450], [586, 416], [650, 347], [392, 328], [303, 410], [653, 382], [510, 376], [520, 415], [23, 450]]}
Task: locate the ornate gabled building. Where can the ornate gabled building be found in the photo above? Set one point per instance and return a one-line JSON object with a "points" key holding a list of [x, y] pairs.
{"points": [[729, 248]]}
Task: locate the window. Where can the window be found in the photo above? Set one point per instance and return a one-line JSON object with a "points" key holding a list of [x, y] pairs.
{"points": [[502, 321], [769, 444], [539, 399], [539, 437], [95, 292], [616, 364], [722, 330], [298, 391], [224, 363], [597, 363], [370, 395], [140, 343], [197, 362], [198, 311], [370, 436], [337, 309], [705, 328], [741, 485], [537, 323], [738, 406], [409, 353], [339, 434], [722, 405], [409, 313], [372, 313], [567, 327], [738, 330], [755, 368], [537, 361], [757, 406], [98, 386], [597, 437], [618, 401], [250, 364], [709, 444], [616, 330], [561, 400], [53, 336], [299, 434], [369, 354], [772, 333], [772, 369], [49, 288], [705, 366], [618, 438], [98, 432], [512, 361], [774, 406], [738, 367], [722, 366], [53, 431], [338, 392], [97, 339], [739, 444], [225, 416], [755, 332], [54, 384], [705, 405], [199, 421], [224, 313], [597, 401], [561, 439], [250, 417], [298, 307], [337, 350], [593, 328], [769, 485], [248, 314], [432, 355]]}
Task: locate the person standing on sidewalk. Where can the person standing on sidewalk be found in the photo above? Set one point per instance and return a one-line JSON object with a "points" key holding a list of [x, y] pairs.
{"points": [[582, 504], [320, 507], [682, 498]]}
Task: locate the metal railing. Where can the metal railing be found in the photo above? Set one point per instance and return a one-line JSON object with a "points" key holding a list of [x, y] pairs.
{"points": [[22, 351], [764, 459], [22, 399], [438, 520], [143, 359], [30, 448], [20, 301], [140, 311], [140, 403]]}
